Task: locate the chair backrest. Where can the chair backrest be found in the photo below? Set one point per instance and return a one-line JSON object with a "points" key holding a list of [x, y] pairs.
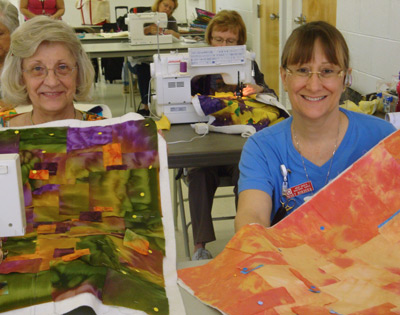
{"points": [[140, 9]]}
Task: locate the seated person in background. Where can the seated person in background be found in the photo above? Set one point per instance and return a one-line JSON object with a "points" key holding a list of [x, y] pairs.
{"points": [[225, 29], [318, 142], [8, 23], [141, 67], [48, 68], [55, 9]]}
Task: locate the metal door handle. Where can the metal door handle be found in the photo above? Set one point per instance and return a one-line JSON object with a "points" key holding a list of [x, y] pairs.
{"points": [[300, 19], [274, 16]]}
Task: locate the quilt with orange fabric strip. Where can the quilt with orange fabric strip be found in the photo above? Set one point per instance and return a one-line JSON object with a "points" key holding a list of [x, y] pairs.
{"points": [[339, 253], [95, 223]]}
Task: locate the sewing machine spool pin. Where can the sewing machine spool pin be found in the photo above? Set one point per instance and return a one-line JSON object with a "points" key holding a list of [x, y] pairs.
{"points": [[239, 87]]}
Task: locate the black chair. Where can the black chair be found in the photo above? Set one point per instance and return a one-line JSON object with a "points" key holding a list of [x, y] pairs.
{"points": [[178, 203]]}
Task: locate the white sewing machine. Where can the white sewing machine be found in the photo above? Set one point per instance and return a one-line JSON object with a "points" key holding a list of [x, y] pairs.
{"points": [[12, 208], [136, 24], [173, 86]]}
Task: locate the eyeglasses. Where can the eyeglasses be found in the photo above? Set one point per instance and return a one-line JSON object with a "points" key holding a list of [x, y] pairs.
{"points": [[228, 41], [323, 75], [61, 71], [167, 6]]}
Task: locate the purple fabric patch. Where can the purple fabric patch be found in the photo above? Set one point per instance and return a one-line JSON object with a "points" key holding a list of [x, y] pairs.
{"points": [[9, 143], [117, 167], [62, 228], [51, 167], [27, 195], [59, 252], [46, 188], [91, 216], [140, 159], [210, 105], [83, 138], [136, 136], [22, 266]]}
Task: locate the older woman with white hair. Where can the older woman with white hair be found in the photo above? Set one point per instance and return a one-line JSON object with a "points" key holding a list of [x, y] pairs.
{"points": [[48, 68]]}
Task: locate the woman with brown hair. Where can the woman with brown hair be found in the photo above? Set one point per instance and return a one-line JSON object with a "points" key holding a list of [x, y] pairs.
{"points": [[283, 166]]}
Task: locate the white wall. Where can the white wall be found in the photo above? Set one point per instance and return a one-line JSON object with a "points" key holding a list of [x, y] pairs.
{"points": [[248, 10], [372, 32]]}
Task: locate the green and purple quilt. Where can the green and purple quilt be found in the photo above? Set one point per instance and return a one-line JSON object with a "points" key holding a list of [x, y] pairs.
{"points": [[99, 220]]}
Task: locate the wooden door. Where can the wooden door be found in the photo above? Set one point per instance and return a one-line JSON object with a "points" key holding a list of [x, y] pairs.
{"points": [[324, 10], [269, 42], [269, 33]]}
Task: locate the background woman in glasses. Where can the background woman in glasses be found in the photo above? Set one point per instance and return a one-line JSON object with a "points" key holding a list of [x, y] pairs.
{"points": [[48, 68], [225, 29], [318, 142], [141, 66]]}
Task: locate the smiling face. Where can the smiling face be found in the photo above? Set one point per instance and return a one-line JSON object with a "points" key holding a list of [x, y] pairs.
{"points": [[312, 97], [51, 94]]}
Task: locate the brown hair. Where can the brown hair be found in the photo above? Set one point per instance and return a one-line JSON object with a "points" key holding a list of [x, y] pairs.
{"points": [[154, 7], [227, 20], [299, 47]]}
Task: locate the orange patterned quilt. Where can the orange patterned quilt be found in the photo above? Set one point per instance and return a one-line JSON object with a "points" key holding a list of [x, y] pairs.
{"points": [[337, 254]]}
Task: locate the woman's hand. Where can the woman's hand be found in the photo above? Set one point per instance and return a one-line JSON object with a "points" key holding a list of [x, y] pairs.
{"points": [[173, 33], [152, 30], [252, 89]]}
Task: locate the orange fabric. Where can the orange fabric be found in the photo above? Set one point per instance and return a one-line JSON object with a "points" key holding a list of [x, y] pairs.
{"points": [[39, 174], [336, 254], [78, 253], [112, 154]]}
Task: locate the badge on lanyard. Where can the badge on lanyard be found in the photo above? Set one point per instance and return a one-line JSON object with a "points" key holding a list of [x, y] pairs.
{"points": [[299, 189]]}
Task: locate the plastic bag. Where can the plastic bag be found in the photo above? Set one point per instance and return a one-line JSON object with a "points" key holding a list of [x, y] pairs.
{"points": [[94, 12]]}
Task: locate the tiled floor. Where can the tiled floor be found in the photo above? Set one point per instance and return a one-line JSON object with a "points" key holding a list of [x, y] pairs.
{"points": [[111, 95]]}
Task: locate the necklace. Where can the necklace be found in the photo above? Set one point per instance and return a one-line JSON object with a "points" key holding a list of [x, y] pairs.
{"points": [[32, 123], [302, 158]]}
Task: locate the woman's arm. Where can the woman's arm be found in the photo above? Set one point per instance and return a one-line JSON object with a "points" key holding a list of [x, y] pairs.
{"points": [[172, 27], [173, 33], [23, 7], [254, 206], [60, 10], [260, 86]]}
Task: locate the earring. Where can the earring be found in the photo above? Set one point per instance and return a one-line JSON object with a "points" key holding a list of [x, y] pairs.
{"points": [[348, 80]]}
